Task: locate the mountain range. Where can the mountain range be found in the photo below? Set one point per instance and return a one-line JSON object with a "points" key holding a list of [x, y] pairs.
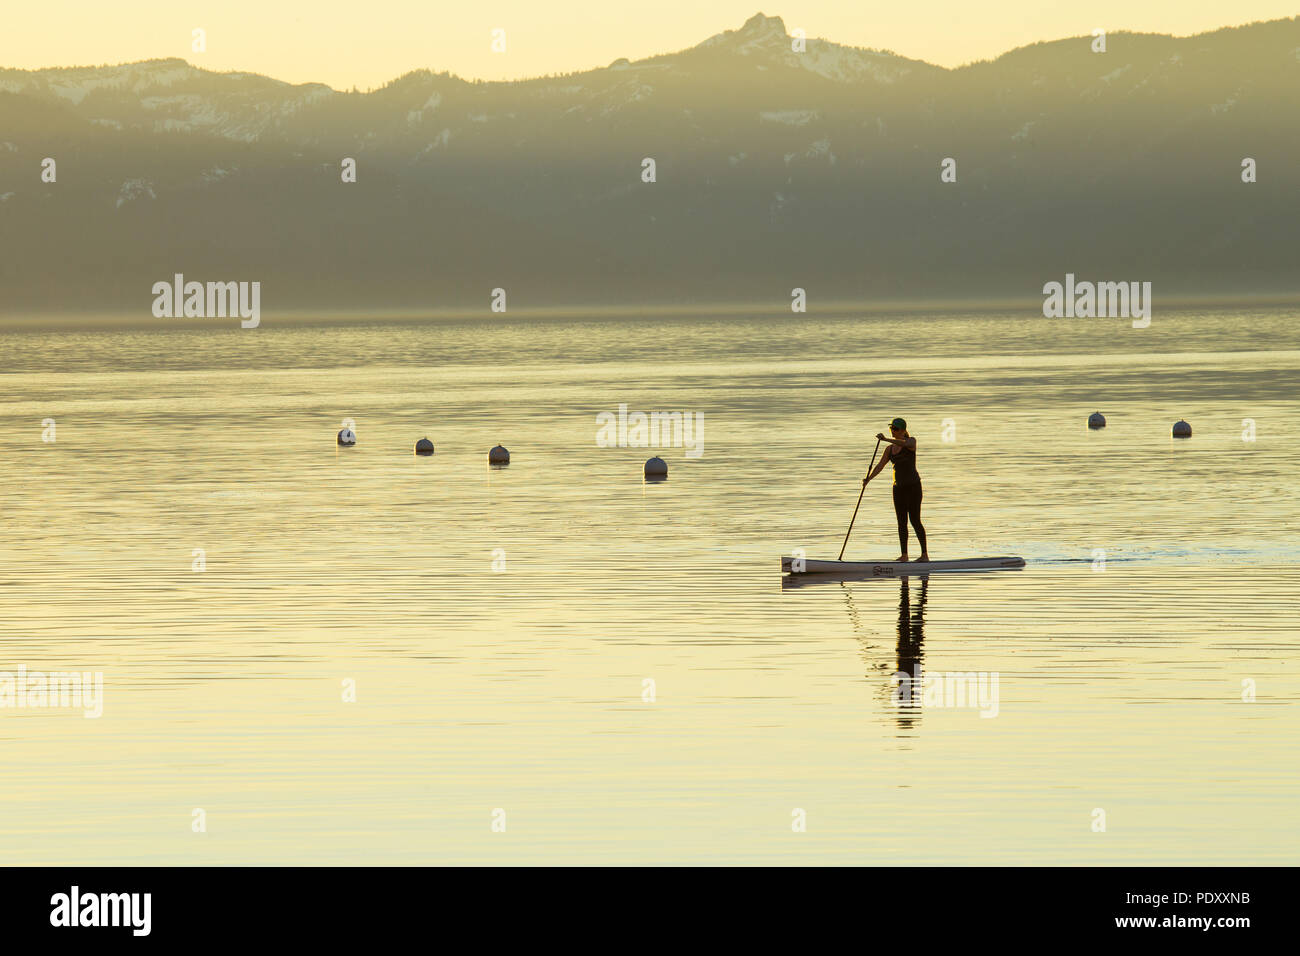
{"points": [[773, 169]]}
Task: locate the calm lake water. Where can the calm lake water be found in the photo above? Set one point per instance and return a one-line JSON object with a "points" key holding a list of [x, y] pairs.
{"points": [[615, 665]]}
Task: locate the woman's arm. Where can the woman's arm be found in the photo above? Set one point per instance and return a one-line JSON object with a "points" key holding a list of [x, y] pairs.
{"points": [[884, 459], [908, 442]]}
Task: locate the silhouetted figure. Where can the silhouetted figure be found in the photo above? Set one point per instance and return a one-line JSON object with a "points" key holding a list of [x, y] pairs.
{"points": [[907, 485]]}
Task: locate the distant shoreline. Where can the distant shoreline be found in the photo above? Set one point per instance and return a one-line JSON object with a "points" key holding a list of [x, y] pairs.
{"points": [[1031, 306]]}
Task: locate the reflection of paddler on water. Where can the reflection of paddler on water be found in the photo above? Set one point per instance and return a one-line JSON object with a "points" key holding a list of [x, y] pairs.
{"points": [[911, 623], [912, 688], [906, 687]]}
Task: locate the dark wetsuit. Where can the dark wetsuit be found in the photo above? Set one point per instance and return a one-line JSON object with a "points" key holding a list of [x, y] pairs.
{"points": [[907, 495]]}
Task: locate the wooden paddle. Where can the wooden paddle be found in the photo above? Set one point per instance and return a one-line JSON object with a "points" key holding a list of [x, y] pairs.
{"points": [[859, 504]]}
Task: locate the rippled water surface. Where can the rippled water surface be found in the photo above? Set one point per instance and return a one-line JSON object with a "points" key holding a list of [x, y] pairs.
{"points": [[614, 665]]}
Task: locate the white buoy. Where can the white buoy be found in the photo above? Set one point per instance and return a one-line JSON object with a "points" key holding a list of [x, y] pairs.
{"points": [[498, 456], [424, 447], [656, 469], [1182, 429], [347, 438], [1096, 420]]}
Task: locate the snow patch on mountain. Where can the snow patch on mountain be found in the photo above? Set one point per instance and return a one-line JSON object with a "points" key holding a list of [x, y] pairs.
{"points": [[789, 117], [165, 76], [188, 112], [74, 84], [845, 64], [821, 149], [133, 190], [239, 106], [625, 95], [440, 141]]}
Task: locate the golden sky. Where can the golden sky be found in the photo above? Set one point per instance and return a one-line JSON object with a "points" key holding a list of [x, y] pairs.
{"points": [[365, 44]]}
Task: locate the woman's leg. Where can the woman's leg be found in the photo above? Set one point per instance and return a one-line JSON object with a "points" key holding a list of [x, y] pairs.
{"points": [[914, 513], [900, 511]]}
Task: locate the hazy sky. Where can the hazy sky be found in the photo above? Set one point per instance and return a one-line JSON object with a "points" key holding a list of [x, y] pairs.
{"points": [[345, 43]]}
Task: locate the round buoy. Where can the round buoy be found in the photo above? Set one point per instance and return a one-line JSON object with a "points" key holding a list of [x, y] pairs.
{"points": [[1182, 429], [498, 456], [1096, 420], [347, 437], [656, 468], [424, 447]]}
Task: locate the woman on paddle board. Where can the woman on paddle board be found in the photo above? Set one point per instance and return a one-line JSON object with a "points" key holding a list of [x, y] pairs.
{"points": [[907, 484]]}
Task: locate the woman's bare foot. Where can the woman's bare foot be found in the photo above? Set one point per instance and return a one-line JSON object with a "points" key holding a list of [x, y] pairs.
{"points": [[901, 557], [924, 557]]}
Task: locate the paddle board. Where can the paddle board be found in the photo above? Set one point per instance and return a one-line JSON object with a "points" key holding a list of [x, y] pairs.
{"points": [[892, 569]]}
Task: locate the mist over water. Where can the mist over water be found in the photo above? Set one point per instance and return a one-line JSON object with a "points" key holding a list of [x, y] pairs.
{"points": [[523, 689]]}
